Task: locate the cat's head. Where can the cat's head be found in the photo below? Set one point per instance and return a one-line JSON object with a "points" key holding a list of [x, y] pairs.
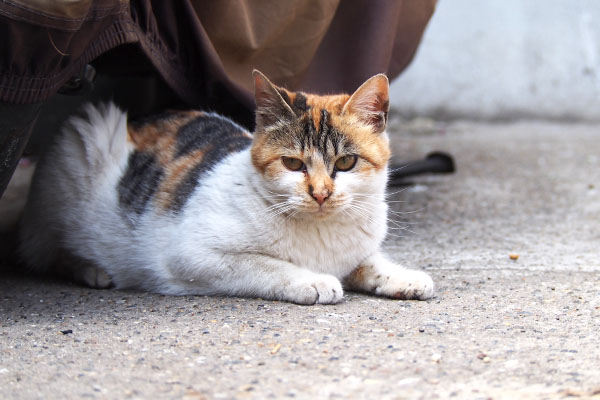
{"points": [[320, 155]]}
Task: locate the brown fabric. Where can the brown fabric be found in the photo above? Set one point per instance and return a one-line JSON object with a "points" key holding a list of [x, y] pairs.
{"points": [[278, 38], [319, 45], [205, 50]]}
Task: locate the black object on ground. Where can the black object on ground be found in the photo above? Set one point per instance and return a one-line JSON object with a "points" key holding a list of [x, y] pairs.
{"points": [[436, 163]]}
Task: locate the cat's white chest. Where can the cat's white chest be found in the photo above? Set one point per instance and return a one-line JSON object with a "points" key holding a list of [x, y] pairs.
{"points": [[334, 248]]}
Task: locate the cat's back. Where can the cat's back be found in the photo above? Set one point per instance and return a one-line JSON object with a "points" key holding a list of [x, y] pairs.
{"points": [[105, 177], [170, 154], [154, 162]]}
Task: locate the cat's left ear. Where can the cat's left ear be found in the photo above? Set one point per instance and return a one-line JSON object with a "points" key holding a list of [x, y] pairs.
{"points": [[270, 106], [371, 103]]}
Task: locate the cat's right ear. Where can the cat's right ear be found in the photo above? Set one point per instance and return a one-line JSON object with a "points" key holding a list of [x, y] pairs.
{"points": [[271, 108]]}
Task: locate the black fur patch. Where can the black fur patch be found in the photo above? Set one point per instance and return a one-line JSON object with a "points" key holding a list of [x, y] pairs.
{"points": [[140, 181], [300, 102], [215, 136], [208, 130], [218, 137]]}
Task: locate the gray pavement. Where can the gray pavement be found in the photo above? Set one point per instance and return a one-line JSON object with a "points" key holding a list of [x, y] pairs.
{"points": [[498, 328]]}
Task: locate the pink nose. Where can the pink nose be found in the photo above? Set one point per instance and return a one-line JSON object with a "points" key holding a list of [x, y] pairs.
{"points": [[320, 197]]}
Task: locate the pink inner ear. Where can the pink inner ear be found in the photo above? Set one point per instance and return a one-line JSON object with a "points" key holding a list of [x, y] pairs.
{"points": [[371, 102]]}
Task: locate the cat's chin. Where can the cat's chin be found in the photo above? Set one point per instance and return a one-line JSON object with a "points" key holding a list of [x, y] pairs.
{"points": [[319, 213]]}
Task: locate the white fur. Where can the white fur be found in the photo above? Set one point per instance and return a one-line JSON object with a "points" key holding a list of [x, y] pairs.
{"points": [[227, 241]]}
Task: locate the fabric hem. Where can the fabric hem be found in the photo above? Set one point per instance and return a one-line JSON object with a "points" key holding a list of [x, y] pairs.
{"points": [[16, 89]]}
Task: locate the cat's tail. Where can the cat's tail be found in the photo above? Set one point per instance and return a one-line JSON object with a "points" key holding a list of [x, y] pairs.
{"points": [[89, 152], [103, 130]]}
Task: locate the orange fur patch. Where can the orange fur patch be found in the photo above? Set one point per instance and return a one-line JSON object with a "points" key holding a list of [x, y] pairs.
{"points": [[263, 154], [332, 103], [174, 174], [159, 138], [169, 157]]}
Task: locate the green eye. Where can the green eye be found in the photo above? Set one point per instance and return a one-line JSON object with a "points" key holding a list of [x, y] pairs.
{"points": [[292, 163], [345, 163]]}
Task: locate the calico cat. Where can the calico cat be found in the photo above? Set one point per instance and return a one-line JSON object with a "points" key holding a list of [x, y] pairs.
{"points": [[191, 203]]}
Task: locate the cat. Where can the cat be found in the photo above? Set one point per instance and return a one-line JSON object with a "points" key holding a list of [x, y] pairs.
{"points": [[189, 202]]}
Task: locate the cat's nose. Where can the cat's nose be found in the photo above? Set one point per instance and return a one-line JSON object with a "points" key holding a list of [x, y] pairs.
{"points": [[321, 196]]}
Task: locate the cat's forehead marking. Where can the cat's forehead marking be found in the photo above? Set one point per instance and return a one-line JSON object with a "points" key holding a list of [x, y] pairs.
{"points": [[319, 134], [301, 103], [316, 113]]}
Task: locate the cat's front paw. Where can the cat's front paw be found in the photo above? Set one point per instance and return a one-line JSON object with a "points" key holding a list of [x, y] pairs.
{"points": [[406, 284], [320, 289]]}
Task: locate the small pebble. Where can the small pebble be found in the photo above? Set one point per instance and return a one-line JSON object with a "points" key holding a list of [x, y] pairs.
{"points": [[276, 348], [513, 257], [66, 331]]}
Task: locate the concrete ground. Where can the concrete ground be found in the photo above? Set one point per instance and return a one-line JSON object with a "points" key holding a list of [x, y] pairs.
{"points": [[499, 328]]}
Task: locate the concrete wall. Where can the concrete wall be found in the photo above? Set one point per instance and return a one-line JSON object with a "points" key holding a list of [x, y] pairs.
{"points": [[505, 59]]}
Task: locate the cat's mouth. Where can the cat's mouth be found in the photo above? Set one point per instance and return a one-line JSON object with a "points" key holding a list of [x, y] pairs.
{"points": [[321, 210]]}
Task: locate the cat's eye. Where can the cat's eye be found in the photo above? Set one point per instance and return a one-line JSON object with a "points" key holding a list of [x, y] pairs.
{"points": [[345, 163], [292, 163]]}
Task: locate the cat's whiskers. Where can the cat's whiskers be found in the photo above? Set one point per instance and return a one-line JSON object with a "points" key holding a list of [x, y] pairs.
{"points": [[283, 211], [394, 170], [390, 211], [377, 197], [292, 215], [396, 192], [403, 222], [406, 212], [275, 194], [278, 209], [271, 211], [393, 235], [399, 224], [361, 211], [401, 228], [358, 207], [388, 233]]}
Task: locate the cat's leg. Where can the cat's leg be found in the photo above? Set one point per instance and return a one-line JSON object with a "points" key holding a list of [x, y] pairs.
{"points": [[257, 275], [81, 271], [379, 276]]}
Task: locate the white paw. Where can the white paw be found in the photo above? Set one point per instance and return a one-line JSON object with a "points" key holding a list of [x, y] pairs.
{"points": [[317, 289], [95, 277], [406, 284]]}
